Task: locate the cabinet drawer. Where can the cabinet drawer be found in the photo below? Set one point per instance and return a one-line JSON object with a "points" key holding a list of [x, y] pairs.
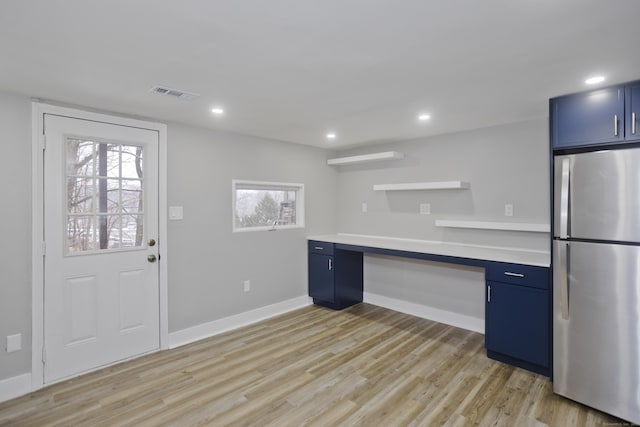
{"points": [[527, 275], [317, 247]]}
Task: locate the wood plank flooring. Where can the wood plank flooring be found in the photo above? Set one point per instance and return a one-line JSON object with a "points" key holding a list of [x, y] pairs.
{"points": [[363, 366]]}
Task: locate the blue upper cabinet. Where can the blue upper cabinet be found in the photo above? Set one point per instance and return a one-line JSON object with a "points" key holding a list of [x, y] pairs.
{"points": [[632, 111], [588, 118]]}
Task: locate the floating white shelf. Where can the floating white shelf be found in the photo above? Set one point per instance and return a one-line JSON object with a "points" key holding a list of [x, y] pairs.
{"points": [[373, 157], [442, 185], [491, 225]]}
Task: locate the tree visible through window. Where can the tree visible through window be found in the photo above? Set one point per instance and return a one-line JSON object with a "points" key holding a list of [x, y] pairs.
{"points": [[263, 205], [104, 195]]}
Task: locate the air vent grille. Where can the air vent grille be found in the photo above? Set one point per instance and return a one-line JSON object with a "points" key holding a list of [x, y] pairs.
{"points": [[176, 93]]}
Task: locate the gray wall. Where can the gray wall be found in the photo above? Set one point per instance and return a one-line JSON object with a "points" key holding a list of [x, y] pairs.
{"points": [[208, 263], [504, 164], [15, 229]]}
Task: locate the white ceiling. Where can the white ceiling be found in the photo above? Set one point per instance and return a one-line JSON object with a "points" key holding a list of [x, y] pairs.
{"points": [[293, 70]]}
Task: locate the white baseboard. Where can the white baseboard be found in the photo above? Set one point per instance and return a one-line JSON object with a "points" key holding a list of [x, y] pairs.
{"points": [[447, 317], [206, 330], [15, 387]]}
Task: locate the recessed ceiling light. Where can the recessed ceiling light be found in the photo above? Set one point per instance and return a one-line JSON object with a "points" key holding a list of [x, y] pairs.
{"points": [[424, 117], [217, 111], [594, 80], [331, 135]]}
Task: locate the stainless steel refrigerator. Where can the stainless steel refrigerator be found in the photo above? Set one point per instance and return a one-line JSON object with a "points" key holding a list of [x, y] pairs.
{"points": [[596, 280]]}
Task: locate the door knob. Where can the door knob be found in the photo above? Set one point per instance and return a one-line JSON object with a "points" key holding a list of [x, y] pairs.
{"points": [[151, 258], [152, 242]]}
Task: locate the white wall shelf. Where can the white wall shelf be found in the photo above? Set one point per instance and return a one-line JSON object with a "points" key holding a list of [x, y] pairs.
{"points": [[491, 225], [442, 185], [365, 158]]}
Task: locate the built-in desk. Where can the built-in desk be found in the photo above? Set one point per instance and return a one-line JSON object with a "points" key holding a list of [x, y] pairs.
{"points": [[518, 300]]}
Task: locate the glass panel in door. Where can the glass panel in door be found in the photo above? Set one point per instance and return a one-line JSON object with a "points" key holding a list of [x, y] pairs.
{"points": [[104, 196]]}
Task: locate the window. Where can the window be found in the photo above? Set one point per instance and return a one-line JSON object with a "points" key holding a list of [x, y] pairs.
{"points": [[267, 205], [104, 196]]}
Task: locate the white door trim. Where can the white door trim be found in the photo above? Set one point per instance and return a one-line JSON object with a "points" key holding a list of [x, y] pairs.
{"points": [[38, 110]]}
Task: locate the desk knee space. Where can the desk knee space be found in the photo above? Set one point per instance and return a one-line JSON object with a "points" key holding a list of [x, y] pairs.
{"points": [[517, 306]]}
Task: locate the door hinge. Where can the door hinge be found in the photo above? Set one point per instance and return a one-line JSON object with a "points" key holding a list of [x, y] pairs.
{"points": [[44, 142], [44, 355], [44, 248]]}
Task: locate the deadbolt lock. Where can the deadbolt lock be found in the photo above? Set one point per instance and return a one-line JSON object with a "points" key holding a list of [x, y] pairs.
{"points": [[152, 242]]}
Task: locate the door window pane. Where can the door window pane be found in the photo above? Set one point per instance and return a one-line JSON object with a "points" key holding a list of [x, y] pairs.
{"points": [[104, 187], [80, 157], [80, 193], [81, 234], [131, 164], [132, 229], [132, 196]]}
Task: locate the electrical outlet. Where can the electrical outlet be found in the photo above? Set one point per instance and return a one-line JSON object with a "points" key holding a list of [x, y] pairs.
{"points": [[508, 209], [247, 285], [365, 208], [425, 208], [14, 343]]}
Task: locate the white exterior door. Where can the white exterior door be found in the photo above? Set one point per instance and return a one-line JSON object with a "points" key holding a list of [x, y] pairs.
{"points": [[101, 276]]}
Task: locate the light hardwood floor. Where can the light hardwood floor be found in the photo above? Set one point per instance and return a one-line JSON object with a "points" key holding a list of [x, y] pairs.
{"points": [[365, 366]]}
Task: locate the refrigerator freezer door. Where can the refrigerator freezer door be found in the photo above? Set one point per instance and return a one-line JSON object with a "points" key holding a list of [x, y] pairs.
{"points": [[604, 195], [596, 351]]}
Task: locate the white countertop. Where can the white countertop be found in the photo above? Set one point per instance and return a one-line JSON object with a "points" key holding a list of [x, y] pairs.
{"points": [[487, 253]]}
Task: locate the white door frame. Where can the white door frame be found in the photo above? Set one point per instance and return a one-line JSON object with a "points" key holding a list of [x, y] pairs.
{"points": [[38, 110]]}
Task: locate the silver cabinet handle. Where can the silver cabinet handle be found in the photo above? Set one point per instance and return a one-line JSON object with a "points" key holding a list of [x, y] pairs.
{"points": [[564, 199], [615, 125], [633, 123], [508, 273], [330, 264], [563, 268], [489, 293], [318, 248]]}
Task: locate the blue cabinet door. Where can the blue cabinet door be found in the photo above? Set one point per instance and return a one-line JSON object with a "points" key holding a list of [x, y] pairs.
{"points": [[517, 322], [589, 118], [321, 278], [632, 119]]}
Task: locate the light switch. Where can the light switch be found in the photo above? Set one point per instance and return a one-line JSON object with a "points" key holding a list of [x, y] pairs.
{"points": [[14, 343], [175, 213], [365, 208], [425, 208]]}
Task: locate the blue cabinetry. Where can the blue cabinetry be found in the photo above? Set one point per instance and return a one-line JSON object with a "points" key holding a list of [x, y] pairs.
{"points": [[632, 111], [517, 329], [588, 118], [602, 116], [335, 275], [518, 300]]}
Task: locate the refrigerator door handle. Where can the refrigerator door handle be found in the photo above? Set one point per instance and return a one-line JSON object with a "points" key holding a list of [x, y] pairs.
{"points": [[563, 270], [564, 199]]}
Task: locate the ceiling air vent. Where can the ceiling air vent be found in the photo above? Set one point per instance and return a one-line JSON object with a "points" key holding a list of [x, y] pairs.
{"points": [[180, 94]]}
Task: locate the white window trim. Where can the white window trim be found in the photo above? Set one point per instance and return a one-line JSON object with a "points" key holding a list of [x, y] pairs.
{"points": [[299, 188]]}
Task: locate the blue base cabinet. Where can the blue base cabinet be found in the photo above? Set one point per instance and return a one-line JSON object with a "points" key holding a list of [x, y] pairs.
{"points": [[518, 322], [335, 275], [518, 303]]}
